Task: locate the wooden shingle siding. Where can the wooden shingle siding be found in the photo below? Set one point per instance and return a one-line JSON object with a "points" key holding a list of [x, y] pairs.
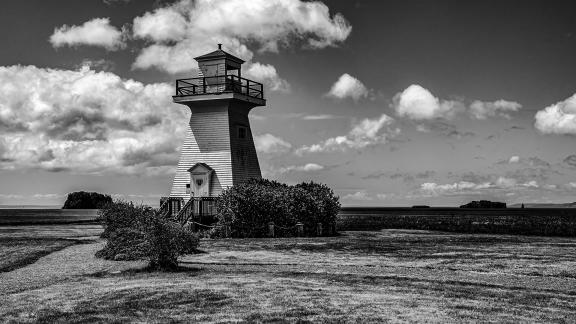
{"points": [[207, 141], [244, 159]]}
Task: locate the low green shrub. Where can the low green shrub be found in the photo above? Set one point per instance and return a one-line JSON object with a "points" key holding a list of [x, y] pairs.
{"points": [[138, 232], [247, 208]]}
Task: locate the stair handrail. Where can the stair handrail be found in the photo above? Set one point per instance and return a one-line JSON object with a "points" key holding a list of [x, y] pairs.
{"points": [[164, 209], [186, 211]]}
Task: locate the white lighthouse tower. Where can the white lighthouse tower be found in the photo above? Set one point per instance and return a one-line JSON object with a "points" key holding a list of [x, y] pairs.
{"points": [[218, 150]]}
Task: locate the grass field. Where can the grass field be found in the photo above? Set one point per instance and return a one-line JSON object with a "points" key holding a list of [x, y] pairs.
{"points": [[389, 275]]}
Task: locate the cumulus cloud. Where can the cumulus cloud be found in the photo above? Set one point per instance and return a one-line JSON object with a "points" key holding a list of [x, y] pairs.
{"points": [[185, 29], [559, 118], [95, 32], [267, 74], [503, 108], [308, 167], [365, 133], [270, 144], [418, 103], [86, 121], [348, 86], [162, 25]]}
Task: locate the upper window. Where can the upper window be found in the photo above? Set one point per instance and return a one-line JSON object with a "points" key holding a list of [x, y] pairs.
{"points": [[242, 132]]}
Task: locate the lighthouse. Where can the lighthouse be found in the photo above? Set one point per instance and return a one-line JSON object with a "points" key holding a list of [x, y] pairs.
{"points": [[218, 151]]}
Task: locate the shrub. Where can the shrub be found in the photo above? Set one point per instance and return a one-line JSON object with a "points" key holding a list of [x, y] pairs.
{"points": [[247, 208], [138, 232], [123, 215], [167, 241], [86, 200]]}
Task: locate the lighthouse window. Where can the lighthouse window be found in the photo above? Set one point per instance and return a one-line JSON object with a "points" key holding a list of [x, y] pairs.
{"points": [[242, 132]]}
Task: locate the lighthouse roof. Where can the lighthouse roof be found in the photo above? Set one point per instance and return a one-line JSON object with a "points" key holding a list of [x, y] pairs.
{"points": [[218, 54]]}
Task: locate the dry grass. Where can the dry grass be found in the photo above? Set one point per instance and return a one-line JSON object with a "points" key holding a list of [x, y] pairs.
{"points": [[358, 277]]}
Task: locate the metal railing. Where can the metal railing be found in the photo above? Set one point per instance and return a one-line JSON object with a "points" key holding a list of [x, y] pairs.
{"points": [[219, 84]]}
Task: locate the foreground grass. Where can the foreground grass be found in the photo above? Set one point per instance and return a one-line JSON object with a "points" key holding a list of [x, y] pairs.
{"points": [[358, 277]]}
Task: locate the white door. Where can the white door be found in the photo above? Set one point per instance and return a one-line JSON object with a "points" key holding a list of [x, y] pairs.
{"points": [[201, 185]]}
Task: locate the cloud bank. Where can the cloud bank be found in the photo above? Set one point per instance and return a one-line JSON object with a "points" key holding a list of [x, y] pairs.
{"points": [[86, 121], [183, 30]]}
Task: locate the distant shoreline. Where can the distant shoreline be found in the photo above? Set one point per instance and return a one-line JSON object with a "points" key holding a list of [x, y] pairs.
{"points": [[46, 216], [30, 206]]}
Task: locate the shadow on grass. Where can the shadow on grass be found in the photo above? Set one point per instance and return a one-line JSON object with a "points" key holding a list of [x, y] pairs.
{"points": [[145, 271], [415, 247], [137, 304]]}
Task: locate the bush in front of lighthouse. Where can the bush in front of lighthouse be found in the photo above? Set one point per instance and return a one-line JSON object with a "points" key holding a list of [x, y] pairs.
{"points": [[139, 233], [246, 209]]}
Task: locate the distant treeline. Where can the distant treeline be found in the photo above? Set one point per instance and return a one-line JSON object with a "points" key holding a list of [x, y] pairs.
{"points": [[86, 200], [526, 221]]}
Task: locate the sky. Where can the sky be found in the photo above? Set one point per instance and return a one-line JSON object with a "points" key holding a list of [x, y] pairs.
{"points": [[390, 103]]}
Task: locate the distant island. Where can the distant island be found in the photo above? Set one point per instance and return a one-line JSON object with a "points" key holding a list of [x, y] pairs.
{"points": [[484, 204], [86, 200]]}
